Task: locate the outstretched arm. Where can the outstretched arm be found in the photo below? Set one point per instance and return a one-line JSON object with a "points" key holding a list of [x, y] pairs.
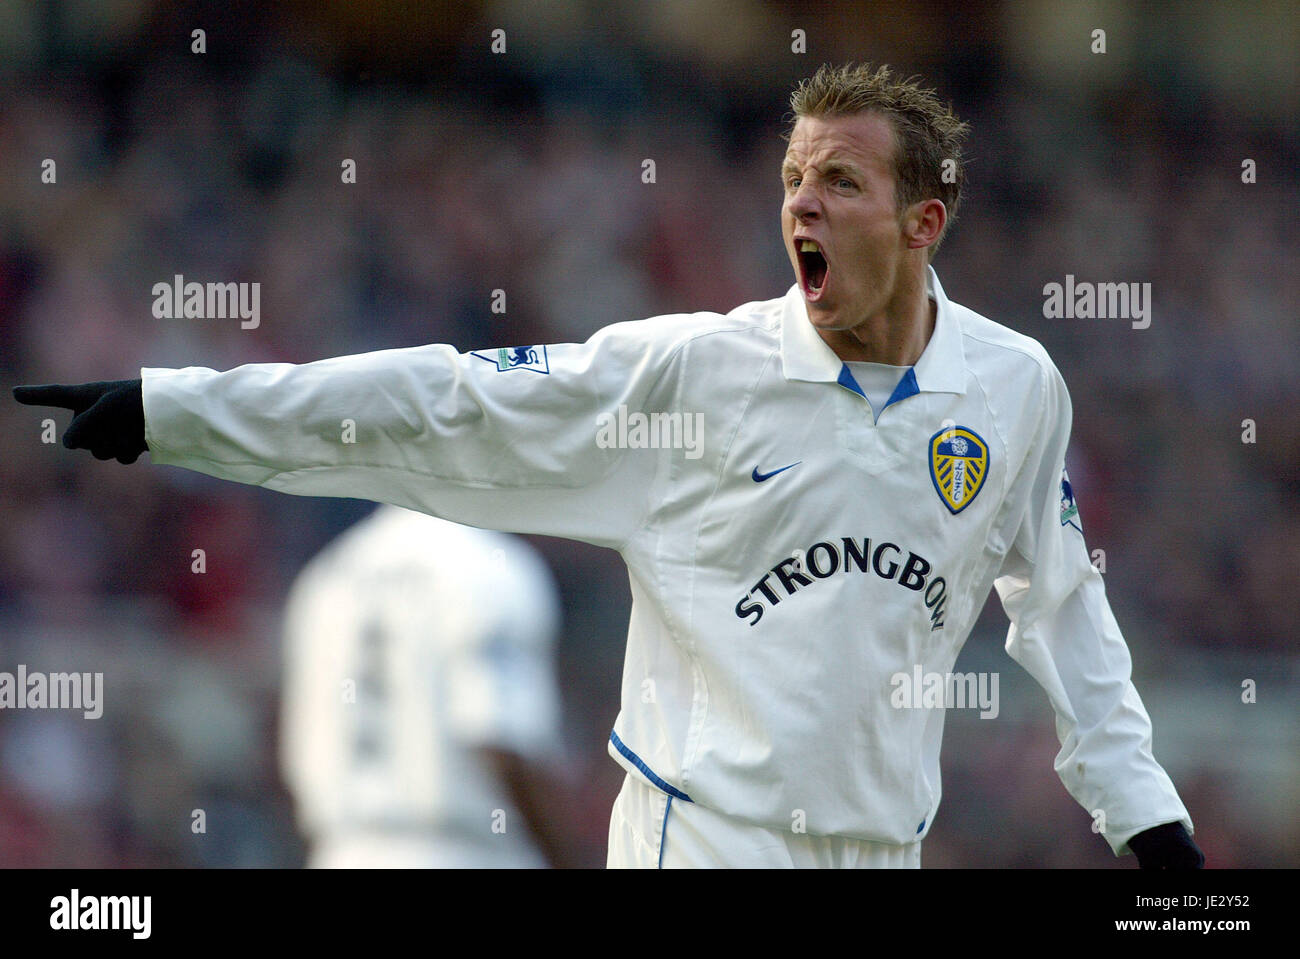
{"points": [[498, 439], [1064, 634]]}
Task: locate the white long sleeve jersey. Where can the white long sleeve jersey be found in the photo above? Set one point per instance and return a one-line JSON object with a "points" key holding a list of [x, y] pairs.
{"points": [[790, 555]]}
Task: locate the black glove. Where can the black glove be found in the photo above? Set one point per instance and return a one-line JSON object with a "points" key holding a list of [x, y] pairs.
{"points": [[1166, 847], [109, 418]]}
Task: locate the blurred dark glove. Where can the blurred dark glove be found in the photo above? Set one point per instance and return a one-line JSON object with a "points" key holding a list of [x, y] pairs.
{"points": [[1166, 847], [108, 420]]}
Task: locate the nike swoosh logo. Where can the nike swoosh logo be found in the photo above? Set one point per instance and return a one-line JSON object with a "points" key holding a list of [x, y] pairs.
{"points": [[759, 477]]}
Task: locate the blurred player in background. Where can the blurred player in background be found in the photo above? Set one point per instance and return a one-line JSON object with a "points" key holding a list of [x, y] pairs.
{"points": [[420, 707]]}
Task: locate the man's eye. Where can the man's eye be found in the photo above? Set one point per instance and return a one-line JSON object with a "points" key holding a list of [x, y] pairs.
{"points": [[846, 183], [793, 182]]}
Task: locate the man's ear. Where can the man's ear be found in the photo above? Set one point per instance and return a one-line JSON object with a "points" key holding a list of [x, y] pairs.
{"points": [[924, 222]]}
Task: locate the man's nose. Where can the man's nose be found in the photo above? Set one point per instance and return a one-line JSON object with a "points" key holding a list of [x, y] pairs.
{"points": [[805, 203]]}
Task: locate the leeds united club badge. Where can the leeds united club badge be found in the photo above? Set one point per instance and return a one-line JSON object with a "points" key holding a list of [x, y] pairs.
{"points": [[959, 462]]}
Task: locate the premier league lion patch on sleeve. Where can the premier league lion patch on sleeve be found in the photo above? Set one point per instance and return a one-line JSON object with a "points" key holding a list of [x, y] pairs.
{"points": [[1069, 508], [517, 358], [959, 462]]}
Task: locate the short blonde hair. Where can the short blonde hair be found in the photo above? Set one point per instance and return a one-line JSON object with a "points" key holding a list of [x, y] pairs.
{"points": [[926, 131]]}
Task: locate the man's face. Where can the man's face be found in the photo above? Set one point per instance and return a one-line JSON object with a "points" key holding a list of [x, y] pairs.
{"points": [[839, 195]]}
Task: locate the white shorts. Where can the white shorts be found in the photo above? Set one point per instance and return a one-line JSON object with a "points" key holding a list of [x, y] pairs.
{"points": [[649, 829]]}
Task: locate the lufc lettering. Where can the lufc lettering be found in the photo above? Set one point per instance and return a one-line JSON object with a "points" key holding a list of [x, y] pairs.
{"points": [[824, 560]]}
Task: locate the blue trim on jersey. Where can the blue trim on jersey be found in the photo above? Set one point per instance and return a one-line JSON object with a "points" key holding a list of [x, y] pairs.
{"points": [[920, 827], [646, 771], [847, 381], [664, 832], [906, 387]]}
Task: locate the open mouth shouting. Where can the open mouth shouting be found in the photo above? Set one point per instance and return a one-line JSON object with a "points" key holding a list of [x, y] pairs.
{"points": [[814, 269]]}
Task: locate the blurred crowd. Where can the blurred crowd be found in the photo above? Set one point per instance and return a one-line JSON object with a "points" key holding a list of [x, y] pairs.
{"points": [[524, 173]]}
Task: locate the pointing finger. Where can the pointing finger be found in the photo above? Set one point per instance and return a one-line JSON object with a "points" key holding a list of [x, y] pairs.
{"points": [[75, 398]]}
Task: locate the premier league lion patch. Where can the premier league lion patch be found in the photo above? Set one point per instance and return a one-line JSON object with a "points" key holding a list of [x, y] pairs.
{"points": [[1069, 508], [959, 461], [517, 358]]}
